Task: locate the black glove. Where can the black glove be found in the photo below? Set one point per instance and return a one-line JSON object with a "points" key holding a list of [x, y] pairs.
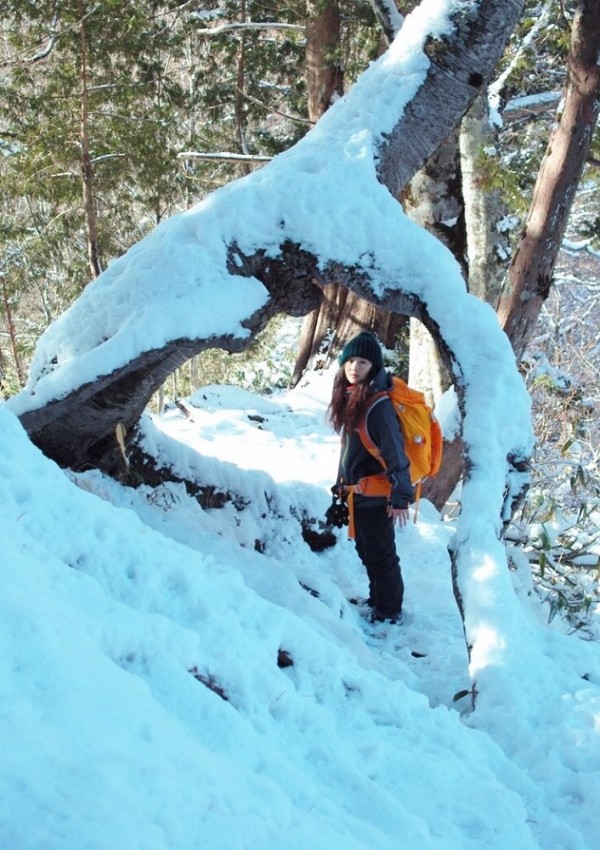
{"points": [[337, 513]]}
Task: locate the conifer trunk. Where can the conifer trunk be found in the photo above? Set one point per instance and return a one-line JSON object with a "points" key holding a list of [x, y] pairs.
{"points": [[12, 336], [324, 79], [341, 314], [531, 273], [87, 171]]}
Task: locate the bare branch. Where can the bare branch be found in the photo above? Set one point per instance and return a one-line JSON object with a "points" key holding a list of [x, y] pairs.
{"points": [[224, 157], [285, 115], [250, 25], [495, 87], [530, 106], [46, 51]]}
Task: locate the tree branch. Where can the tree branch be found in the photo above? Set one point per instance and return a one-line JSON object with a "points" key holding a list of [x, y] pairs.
{"points": [[249, 25], [224, 157]]}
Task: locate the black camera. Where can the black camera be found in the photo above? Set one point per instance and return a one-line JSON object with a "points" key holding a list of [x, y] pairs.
{"points": [[337, 513]]}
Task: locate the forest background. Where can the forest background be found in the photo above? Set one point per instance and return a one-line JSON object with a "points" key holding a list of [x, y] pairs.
{"points": [[114, 116]]}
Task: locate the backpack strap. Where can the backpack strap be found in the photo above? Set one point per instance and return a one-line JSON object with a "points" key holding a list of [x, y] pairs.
{"points": [[363, 430]]}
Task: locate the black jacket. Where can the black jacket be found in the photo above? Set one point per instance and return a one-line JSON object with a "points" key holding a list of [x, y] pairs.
{"points": [[384, 429]]}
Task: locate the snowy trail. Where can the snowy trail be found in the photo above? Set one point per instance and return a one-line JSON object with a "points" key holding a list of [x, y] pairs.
{"points": [[117, 601]]}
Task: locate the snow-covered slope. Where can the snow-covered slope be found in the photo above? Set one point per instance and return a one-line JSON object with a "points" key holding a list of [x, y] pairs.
{"points": [[146, 702]]}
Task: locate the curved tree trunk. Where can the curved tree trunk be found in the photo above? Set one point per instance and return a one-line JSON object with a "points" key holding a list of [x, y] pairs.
{"points": [[77, 429], [76, 413], [458, 73]]}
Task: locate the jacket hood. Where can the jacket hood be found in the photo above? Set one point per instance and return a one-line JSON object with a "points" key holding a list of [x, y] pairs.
{"points": [[380, 381]]}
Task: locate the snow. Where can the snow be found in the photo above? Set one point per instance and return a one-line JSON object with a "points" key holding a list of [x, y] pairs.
{"points": [[125, 611], [116, 602]]}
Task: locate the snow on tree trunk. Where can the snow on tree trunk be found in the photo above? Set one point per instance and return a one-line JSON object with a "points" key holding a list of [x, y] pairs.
{"points": [[461, 64], [389, 18]]}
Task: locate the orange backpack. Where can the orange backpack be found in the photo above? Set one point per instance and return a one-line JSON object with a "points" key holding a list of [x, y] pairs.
{"points": [[423, 439]]}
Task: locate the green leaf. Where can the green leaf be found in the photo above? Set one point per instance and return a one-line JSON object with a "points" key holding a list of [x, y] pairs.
{"points": [[460, 694]]}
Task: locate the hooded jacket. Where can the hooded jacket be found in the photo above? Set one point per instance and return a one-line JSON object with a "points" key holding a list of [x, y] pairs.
{"points": [[356, 462]]}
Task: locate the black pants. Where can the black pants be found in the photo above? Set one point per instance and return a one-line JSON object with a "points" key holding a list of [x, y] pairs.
{"points": [[376, 547]]}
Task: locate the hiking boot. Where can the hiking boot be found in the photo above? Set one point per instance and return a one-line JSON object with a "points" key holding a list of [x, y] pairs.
{"points": [[392, 619]]}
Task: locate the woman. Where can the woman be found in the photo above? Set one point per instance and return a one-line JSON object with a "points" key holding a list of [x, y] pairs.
{"points": [[361, 376]]}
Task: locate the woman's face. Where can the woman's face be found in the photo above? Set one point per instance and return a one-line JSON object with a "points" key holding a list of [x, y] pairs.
{"points": [[356, 369]]}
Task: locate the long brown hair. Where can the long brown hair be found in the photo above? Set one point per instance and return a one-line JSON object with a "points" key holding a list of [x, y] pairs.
{"points": [[347, 403]]}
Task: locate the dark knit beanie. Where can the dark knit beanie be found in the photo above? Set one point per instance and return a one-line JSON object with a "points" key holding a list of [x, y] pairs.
{"points": [[364, 345]]}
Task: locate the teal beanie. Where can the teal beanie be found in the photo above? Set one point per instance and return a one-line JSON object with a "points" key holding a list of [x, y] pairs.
{"points": [[364, 345]]}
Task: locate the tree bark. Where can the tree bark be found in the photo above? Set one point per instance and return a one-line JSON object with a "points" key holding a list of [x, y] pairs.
{"points": [[460, 68], [488, 245], [324, 80], [354, 315], [439, 489], [531, 271], [434, 200], [324, 73], [87, 172]]}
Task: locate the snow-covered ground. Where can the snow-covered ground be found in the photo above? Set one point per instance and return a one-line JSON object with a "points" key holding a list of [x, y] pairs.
{"points": [[176, 678]]}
